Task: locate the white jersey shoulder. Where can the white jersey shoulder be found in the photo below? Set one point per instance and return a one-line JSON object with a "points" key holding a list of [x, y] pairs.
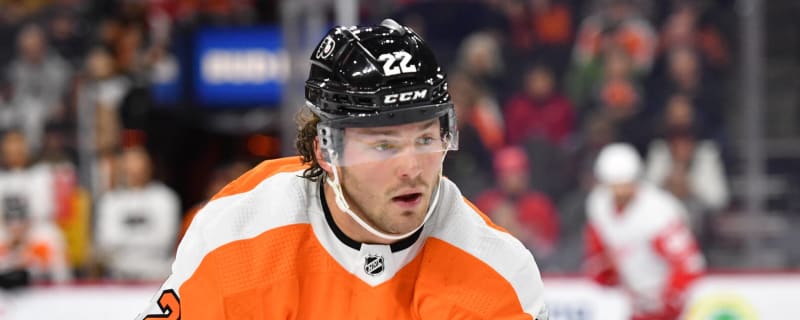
{"points": [[458, 224], [276, 201], [651, 207]]}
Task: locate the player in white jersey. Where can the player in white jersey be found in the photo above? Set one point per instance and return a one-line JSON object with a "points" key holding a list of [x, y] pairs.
{"points": [[637, 237]]}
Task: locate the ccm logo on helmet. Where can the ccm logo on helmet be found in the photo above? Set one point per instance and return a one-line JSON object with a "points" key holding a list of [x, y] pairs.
{"points": [[405, 96]]}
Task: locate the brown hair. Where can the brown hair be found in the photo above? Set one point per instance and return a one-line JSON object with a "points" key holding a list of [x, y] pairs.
{"points": [[306, 140]]}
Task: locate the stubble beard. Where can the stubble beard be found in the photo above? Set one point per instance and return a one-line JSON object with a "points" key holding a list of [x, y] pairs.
{"points": [[379, 217]]}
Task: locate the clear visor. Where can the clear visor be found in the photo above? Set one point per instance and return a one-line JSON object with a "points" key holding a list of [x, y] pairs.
{"points": [[356, 146]]}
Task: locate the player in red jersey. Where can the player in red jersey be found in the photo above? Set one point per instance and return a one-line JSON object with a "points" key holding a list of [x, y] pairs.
{"points": [[637, 237]]}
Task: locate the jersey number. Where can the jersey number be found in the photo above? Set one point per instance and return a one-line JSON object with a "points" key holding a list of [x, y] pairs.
{"points": [[389, 67], [170, 305]]}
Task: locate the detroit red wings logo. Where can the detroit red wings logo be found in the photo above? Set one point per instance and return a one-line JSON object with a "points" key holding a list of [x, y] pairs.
{"points": [[373, 265]]}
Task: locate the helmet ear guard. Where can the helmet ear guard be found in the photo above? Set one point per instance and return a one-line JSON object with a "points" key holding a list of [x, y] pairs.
{"points": [[330, 141]]}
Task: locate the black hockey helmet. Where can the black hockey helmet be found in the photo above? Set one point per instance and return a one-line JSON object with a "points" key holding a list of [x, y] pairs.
{"points": [[377, 76]]}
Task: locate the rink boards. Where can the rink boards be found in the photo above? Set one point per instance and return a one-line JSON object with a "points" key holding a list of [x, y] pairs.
{"points": [[743, 296]]}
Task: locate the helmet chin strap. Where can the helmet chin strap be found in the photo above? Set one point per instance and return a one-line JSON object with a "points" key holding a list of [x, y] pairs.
{"points": [[342, 204]]}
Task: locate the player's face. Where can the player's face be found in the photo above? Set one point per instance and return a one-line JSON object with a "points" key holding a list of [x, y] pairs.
{"points": [[623, 193], [392, 194]]}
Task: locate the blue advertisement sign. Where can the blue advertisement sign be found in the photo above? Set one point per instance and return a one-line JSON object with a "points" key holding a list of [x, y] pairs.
{"points": [[166, 81], [239, 67]]}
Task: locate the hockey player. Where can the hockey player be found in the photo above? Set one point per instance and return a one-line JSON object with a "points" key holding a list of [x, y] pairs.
{"points": [[637, 236], [362, 225]]}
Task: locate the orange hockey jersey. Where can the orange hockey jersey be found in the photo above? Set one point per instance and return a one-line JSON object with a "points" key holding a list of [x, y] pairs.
{"points": [[266, 247]]}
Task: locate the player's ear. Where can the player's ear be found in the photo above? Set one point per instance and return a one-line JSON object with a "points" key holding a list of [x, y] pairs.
{"points": [[320, 158]]}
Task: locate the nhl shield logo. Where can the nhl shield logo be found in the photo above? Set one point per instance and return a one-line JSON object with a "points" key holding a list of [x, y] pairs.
{"points": [[373, 265], [325, 49]]}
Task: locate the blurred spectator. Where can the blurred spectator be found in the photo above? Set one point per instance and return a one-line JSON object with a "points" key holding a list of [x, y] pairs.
{"points": [[621, 103], [539, 110], [685, 27], [620, 98], [541, 29], [137, 223], [471, 165], [129, 50], [144, 58], [35, 248], [108, 29], [542, 120], [685, 76], [38, 78], [614, 49], [609, 80], [29, 240], [552, 22], [553, 27], [14, 13], [520, 36], [480, 59], [67, 33], [72, 201], [617, 23], [480, 109], [99, 96], [686, 165], [637, 237], [25, 180], [512, 204], [618, 86], [37, 72]]}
